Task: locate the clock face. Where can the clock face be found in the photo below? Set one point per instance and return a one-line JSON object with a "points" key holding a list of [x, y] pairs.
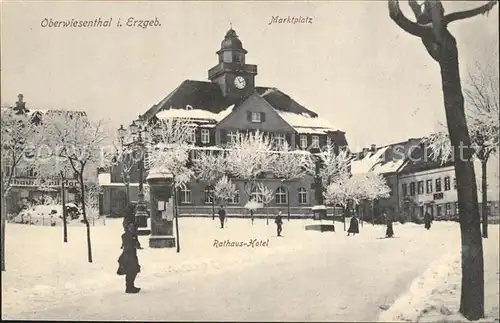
{"points": [[239, 82]]}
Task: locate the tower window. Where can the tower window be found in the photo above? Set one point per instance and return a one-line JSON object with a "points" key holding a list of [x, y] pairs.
{"points": [[256, 117]]}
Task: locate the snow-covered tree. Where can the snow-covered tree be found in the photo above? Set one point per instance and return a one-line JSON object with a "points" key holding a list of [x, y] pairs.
{"points": [[125, 157], [250, 156], [267, 195], [483, 117], [168, 152], [292, 165], [210, 167], [18, 145], [77, 140], [336, 164], [224, 189]]}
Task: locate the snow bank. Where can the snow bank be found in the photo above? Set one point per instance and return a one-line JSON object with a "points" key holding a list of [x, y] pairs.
{"points": [[435, 296]]}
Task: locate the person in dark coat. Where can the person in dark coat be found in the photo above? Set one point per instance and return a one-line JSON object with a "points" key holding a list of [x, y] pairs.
{"points": [[222, 216], [128, 261], [389, 233], [129, 218], [279, 223], [427, 219], [353, 226]]}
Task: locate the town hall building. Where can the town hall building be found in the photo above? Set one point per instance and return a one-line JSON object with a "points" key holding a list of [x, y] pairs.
{"points": [[228, 103]]}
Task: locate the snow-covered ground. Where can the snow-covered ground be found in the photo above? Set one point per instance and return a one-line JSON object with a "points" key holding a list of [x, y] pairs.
{"points": [[435, 296], [305, 275]]}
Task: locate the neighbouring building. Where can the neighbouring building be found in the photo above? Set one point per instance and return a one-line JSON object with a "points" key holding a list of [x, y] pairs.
{"points": [[228, 103], [418, 182], [25, 184]]}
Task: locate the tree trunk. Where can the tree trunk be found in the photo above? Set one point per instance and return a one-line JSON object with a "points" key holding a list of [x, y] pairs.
{"points": [[213, 207], [472, 294], [63, 195], [484, 194], [343, 216], [176, 221], [267, 217], [4, 216], [85, 219], [288, 202]]}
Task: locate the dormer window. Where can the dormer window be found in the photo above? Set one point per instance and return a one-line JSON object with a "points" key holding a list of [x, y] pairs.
{"points": [[256, 117]]}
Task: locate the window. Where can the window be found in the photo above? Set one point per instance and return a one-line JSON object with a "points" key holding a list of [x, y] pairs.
{"points": [[328, 141], [232, 136], [420, 187], [428, 184], [404, 188], [281, 196], [438, 184], [256, 195], [279, 139], [447, 186], [32, 172], [456, 209], [209, 194], [303, 141], [185, 195], [412, 189], [302, 196], [235, 199], [448, 209], [256, 117], [6, 168], [454, 183], [205, 136], [439, 209], [315, 141], [192, 136]]}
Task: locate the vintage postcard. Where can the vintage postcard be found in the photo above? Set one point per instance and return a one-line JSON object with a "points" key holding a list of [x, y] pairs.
{"points": [[328, 161]]}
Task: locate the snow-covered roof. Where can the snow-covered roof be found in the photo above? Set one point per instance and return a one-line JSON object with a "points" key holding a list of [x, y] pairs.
{"points": [[159, 173], [304, 123], [194, 114], [388, 167], [366, 164]]}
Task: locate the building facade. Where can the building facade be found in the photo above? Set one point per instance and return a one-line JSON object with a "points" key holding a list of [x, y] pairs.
{"points": [[26, 186], [230, 102]]}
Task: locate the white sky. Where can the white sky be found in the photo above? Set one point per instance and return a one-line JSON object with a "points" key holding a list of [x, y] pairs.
{"points": [[352, 65]]}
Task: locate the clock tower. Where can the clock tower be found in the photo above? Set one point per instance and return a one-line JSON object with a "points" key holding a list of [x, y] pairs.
{"points": [[235, 78]]}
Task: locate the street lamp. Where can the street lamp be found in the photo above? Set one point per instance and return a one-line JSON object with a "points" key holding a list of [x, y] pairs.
{"points": [[137, 129]]}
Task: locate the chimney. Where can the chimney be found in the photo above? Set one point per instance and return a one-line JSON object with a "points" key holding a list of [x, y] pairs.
{"points": [[373, 147], [364, 152]]}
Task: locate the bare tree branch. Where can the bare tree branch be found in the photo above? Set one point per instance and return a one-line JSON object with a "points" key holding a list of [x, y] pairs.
{"points": [[404, 23], [482, 10]]}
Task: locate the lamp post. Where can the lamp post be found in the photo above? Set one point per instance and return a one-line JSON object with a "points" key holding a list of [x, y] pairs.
{"points": [[139, 134]]}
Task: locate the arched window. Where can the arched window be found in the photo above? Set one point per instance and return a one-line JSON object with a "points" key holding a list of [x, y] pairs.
{"points": [[281, 196], [185, 195], [256, 195], [302, 196], [209, 194]]}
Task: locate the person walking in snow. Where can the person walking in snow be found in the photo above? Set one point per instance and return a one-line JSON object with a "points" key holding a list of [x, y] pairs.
{"points": [[353, 226], [389, 232], [128, 263], [428, 219], [222, 216], [129, 218], [279, 223]]}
